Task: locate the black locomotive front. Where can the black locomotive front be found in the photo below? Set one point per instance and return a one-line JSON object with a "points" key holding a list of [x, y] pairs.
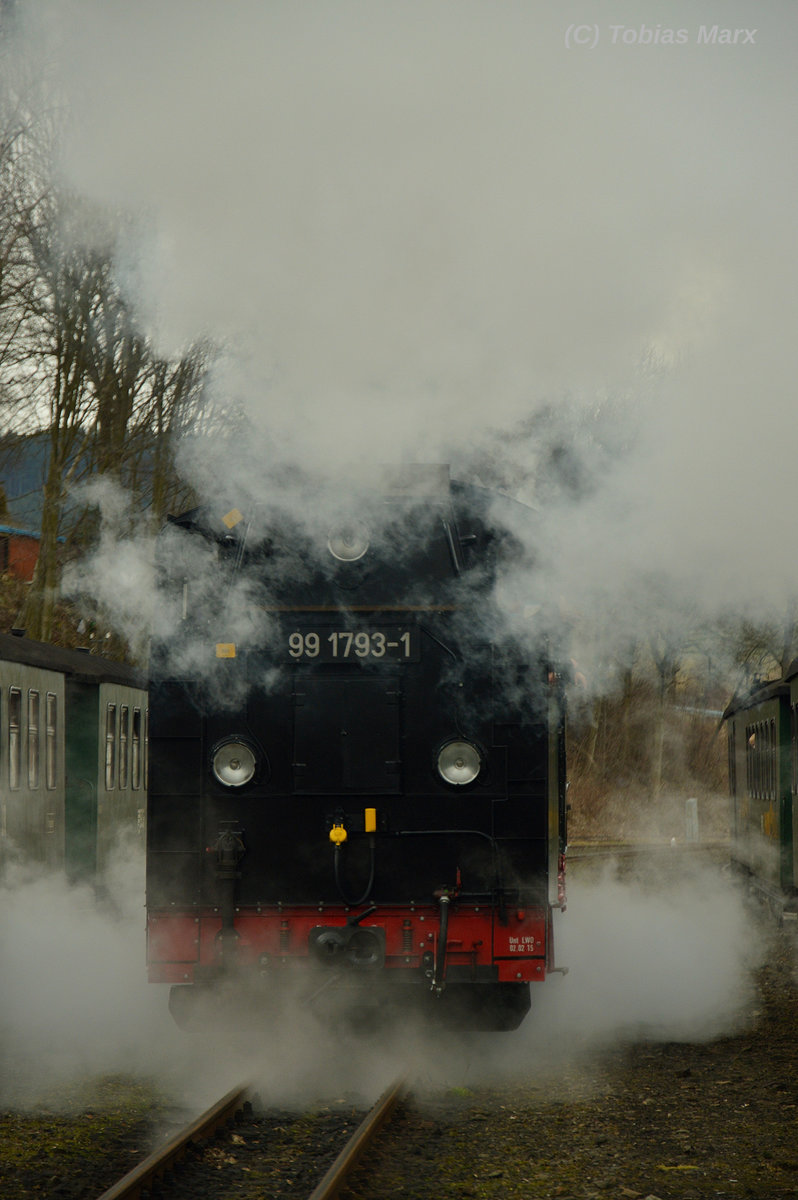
{"points": [[356, 771]]}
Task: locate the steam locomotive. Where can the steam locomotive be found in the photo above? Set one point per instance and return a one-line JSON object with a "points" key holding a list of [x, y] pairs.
{"points": [[357, 767]]}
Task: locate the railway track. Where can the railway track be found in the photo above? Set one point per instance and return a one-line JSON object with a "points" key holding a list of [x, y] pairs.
{"points": [[154, 1174]]}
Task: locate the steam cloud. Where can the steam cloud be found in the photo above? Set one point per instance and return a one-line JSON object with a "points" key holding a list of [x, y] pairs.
{"points": [[75, 1001], [418, 226]]}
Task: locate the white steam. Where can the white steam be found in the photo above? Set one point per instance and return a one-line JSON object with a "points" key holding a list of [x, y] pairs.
{"points": [[666, 960], [73, 997], [416, 225]]}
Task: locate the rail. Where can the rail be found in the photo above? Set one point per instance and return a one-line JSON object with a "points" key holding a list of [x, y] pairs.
{"points": [[158, 1163], [363, 1137]]}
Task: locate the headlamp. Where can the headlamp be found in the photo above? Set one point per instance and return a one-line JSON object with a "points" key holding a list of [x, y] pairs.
{"points": [[233, 763], [459, 762], [349, 542]]}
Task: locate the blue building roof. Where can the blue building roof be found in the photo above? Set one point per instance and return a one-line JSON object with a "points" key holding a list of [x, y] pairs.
{"points": [[19, 532], [9, 529]]}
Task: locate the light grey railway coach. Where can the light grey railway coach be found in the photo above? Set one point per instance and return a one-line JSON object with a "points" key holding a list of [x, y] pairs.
{"points": [[73, 756]]}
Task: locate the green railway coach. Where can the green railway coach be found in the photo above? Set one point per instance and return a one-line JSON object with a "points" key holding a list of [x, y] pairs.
{"points": [[761, 736], [73, 756], [792, 765]]}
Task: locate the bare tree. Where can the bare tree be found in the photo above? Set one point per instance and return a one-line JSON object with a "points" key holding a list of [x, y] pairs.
{"points": [[176, 409], [69, 280], [666, 655], [118, 368], [77, 371], [22, 187]]}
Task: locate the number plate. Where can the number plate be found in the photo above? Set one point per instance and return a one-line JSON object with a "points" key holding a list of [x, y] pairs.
{"points": [[390, 644]]}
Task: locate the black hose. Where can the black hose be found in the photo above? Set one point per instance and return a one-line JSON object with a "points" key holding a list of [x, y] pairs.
{"points": [[337, 868]]}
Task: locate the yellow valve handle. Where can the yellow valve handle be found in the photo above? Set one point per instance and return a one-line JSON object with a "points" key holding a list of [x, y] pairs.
{"points": [[338, 835]]}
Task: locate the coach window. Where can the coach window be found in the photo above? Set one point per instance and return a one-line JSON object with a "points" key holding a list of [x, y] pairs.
{"points": [[110, 746], [754, 757], [33, 739], [761, 759], [764, 763], [762, 756], [51, 742], [124, 721], [135, 750], [14, 736]]}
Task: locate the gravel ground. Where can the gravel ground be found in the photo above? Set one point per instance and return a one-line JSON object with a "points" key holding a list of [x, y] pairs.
{"points": [[666, 1120], [85, 1139], [640, 1119]]}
